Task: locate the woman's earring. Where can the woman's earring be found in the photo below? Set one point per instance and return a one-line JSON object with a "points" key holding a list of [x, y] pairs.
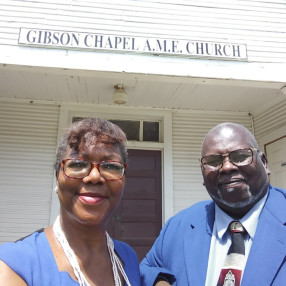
{"points": [[56, 188]]}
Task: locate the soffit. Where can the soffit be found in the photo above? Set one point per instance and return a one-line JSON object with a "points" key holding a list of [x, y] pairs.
{"points": [[152, 91]]}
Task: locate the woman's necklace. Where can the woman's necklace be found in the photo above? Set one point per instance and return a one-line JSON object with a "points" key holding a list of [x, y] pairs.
{"points": [[116, 265]]}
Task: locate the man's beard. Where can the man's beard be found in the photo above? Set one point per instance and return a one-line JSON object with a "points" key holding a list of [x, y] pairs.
{"points": [[252, 199]]}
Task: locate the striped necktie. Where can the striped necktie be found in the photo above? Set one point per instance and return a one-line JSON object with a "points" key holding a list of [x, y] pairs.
{"points": [[233, 266]]}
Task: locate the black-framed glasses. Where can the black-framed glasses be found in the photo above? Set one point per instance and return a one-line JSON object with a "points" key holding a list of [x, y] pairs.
{"points": [[239, 158], [78, 169]]}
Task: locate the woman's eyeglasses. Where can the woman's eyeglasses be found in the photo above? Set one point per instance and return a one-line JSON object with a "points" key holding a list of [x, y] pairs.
{"points": [[78, 169], [239, 158]]}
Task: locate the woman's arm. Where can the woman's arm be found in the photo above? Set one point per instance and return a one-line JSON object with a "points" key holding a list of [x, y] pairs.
{"points": [[8, 277]]}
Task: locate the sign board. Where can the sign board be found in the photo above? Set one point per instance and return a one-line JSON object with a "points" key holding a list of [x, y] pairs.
{"points": [[155, 46]]}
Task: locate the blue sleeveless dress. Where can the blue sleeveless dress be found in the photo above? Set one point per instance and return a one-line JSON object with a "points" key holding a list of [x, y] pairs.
{"points": [[32, 259]]}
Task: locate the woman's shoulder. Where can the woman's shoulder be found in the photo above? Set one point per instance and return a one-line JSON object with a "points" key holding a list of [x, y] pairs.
{"points": [[23, 245], [123, 248], [130, 260], [9, 277], [126, 253], [27, 256], [24, 252]]}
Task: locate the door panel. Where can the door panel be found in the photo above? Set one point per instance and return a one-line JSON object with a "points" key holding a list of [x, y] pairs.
{"points": [[276, 155], [138, 219]]}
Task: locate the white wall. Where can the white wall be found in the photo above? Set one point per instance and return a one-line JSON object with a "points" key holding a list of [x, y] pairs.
{"points": [[27, 151], [259, 24], [270, 121]]}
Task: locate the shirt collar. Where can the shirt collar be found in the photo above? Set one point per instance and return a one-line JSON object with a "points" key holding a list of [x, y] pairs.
{"points": [[249, 221]]}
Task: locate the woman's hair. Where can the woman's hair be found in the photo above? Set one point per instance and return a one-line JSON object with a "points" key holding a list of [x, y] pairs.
{"points": [[91, 131]]}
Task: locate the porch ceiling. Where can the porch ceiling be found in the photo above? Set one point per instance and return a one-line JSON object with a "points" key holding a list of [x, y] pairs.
{"points": [[145, 90]]}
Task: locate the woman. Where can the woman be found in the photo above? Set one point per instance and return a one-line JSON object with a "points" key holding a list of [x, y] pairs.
{"points": [[76, 249]]}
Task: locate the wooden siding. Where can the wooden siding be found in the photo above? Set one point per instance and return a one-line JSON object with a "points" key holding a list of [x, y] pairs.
{"points": [[27, 152], [259, 24], [270, 119]]}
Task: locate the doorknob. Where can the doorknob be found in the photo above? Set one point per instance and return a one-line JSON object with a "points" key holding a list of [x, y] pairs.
{"points": [[117, 218], [283, 164]]}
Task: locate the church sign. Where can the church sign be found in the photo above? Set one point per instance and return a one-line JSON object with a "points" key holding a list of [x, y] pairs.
{"points": [[120, 43]]}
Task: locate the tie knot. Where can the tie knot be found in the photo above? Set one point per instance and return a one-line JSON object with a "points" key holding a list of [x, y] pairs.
{"points": [[236, 226]]}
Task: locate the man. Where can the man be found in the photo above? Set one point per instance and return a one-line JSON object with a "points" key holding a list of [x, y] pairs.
{"points": [[192, 246]]}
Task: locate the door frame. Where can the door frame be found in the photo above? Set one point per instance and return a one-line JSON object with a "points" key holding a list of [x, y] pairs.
{"points": [[69, 110], [270, 166], [271, 137]]}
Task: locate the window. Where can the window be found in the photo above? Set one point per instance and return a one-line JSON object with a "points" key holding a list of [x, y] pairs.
{"points": [[131, 128], [151, 131], [136, 130]]}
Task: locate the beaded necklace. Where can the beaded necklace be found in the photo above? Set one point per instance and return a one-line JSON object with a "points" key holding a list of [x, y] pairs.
{"points": [[116, 265]]}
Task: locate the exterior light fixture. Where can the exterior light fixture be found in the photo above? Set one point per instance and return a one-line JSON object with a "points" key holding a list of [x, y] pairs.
{"points": [[119, 94]]}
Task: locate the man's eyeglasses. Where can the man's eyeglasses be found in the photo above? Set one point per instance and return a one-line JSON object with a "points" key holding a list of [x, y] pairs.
{"points": [[78, 169], [239, 158]]}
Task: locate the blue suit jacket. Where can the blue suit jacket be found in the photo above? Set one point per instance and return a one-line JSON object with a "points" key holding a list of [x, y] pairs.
{"points": [[182, 248]]}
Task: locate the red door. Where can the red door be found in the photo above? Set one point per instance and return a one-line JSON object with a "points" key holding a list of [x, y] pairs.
{"points": [[138, 219]]}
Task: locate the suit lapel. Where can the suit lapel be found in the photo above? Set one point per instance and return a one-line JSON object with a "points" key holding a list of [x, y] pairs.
{"points": [[269, 244], [196, 247]]}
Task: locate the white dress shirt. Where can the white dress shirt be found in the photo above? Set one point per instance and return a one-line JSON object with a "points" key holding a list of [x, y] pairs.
{"points": [[221, 239]]}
